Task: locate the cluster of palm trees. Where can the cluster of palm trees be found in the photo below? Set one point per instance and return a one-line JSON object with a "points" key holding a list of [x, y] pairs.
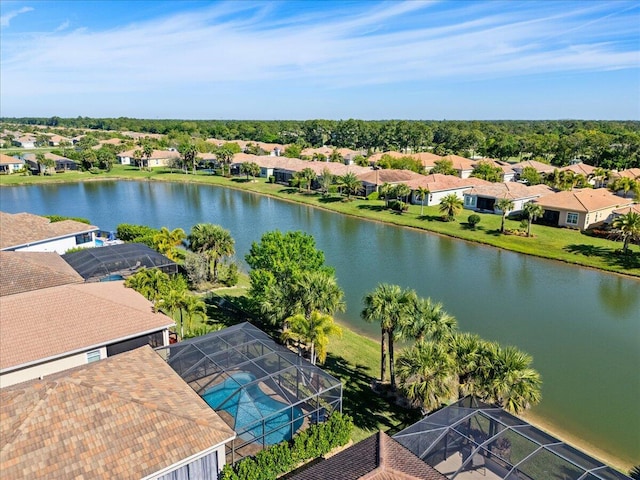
{"points": [[171, 295], [444, 364]]}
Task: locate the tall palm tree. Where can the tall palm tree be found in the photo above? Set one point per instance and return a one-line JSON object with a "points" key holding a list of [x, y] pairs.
{"points": [[212, 240], [167, 240], [388, 305], [623, 184], [450, 206], [505, 205], [402, 191], [467, 350], [627, 227], [426, 374], [350, 184], [532, 211], [171, 302], [315, 331], [422, 193], [150, 283], [325, 180], [318, 291], [193, 305], [427, 320]]}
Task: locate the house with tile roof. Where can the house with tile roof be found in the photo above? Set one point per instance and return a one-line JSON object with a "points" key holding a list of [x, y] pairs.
{"points": [[130, 416], [33, 233], [10, 164], [372, 180], [27, 271], [378, 457], [25, 141], [158, 158], [440, 186], [61, 164], [483, 198], [632, 173], [541, 168], [580, 208], [73, 324], [463, 166]]}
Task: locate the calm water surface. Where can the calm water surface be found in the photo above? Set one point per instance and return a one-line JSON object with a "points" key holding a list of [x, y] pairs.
{"points": [[581, 326]]}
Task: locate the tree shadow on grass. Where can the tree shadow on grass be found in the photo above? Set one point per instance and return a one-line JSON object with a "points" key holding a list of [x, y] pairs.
{"points": [[430, 218], [373, 208], [330, 199], [240, 180], [369, 411], [613, 257], [289, 190]]}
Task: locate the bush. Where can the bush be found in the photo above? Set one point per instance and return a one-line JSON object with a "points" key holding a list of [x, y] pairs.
{"points": [[196, 267], [398, 206], [60, 218], [373, 196], [94, 170], [136, 233], [473, 220], [272, 179], [316, 440]]}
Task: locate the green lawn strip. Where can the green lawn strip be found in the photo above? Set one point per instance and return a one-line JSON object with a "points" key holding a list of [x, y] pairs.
{"points": [[562, 244]]}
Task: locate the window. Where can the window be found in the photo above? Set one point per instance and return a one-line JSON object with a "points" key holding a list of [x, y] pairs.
{"points": [[84, 238], [572, 218], [93, 356]]}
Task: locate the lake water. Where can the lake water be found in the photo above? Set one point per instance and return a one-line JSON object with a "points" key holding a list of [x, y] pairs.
{"points": [[582, 326]]}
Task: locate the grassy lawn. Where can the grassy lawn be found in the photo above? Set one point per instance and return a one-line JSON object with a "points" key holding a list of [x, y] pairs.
{"points": [[554, 243]]}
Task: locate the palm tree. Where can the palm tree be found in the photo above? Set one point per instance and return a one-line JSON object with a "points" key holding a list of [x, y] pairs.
{"points": [[212, 240], [325, 180], [426, 375], [385, 190], [505, 205], [422, 193], [305, 176], [314, 331], [350, 183], [318, 291], [250, 169], [224, 155], [147, 152], [167, 240], [388, 305], [532, 211], [193, 305], [627, 227], [150, 283], [137, 155], [171, 302], [189, 154], [427, 321], [468, 350], [450, 206], [624, 184]]}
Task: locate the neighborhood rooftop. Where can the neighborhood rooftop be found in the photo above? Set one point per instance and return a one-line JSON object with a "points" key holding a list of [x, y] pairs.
{"points": [[28, 271], [129, 416]]}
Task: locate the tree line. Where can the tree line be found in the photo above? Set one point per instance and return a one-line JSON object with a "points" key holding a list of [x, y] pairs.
{"points": [[606, 144]]}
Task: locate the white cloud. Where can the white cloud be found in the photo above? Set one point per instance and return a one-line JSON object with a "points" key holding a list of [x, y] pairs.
{"points": [[7, 17]]}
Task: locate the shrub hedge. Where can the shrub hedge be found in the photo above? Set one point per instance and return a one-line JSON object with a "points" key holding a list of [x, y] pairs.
{"points": [[278, 459]]}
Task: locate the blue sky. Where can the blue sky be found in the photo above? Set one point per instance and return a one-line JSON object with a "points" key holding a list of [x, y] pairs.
{"points": [[307, 59]]}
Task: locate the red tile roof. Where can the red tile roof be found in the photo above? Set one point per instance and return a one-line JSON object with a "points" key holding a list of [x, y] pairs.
{"points": [[26, 271], [23, 228], [583, 200], [127, 416], [72, 318]]}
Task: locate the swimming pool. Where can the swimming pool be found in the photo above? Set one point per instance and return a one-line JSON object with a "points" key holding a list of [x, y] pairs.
{"points": [[255, 413]]}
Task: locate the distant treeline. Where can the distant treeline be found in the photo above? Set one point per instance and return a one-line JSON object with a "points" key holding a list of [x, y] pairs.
{"points": [[606, 144]]}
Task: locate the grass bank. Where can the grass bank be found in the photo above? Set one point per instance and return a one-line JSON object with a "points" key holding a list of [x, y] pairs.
{"points": [[562, 244]]}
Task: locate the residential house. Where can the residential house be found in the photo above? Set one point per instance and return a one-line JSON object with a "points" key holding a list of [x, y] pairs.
{"points": [[541, 168], [427, 159], [33, 233], [25, 141], [71, 325], [27, 271], [378, 457], [158, 158], [56, 140], [463, 166], [61, 164], [483, 198], [440, 186], [580, 208], [632, 173], [508, 174], [635, 208], [372, 180], [587, 171], [130, 416], [9, 164]]}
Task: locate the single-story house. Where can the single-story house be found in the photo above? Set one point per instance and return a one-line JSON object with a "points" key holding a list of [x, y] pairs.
{"points": [[581, 208], [61, 164], [440, 186], [372, 180], [632, 173], [158, 158], [27, 271], [56, 140], [508, 173], [587, 171], [463, 166], [427, 159], [635, 208], [483, 198], [26, 141], [10, 164], [541, 168], [33, 233], [130, 416], [71, 325], [378, 457]]}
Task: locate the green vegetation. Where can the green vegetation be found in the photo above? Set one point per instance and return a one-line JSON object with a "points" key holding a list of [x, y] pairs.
{"points": [[60, 218], [278, 459]]}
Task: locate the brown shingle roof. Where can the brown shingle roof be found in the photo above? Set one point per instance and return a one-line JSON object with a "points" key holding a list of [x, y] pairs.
{"points": [[72, 317], [124, 417], [583, 200], [26, 271], [22, 228], [378, 457]]}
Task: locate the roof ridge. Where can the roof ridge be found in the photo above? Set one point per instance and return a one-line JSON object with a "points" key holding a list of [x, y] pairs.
{"points": [[18, 430]]}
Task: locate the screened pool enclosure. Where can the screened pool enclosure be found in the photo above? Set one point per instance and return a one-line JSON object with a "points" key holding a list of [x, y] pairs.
{"points": [[263, 391], [472, 440]]}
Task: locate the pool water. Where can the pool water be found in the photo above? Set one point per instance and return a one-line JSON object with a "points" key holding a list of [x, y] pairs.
{"points": [[249, 406]]}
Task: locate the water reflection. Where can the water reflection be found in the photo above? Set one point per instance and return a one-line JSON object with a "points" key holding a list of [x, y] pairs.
{"points": [[619, 297]]}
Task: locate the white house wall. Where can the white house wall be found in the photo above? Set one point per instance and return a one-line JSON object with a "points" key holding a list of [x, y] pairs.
{"points": [[60, 245]]}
